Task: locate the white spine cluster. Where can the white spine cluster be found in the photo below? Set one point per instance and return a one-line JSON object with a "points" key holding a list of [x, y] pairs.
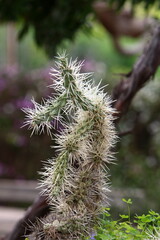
{"points": [[76, 181]]}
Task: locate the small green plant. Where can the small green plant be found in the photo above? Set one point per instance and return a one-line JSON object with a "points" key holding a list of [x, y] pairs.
{"points": [[76, 181], [143, 227], [129, 202]]}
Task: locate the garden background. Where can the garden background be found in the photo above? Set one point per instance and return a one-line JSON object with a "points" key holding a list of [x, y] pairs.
{"points": [[24, 73]]}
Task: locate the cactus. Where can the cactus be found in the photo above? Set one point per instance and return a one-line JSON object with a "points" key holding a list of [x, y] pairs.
{"points": [[76, 181]]}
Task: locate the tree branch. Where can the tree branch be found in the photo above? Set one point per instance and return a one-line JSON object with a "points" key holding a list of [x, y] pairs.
{"points": [[37, 210], [122, 23], [143, 70]]}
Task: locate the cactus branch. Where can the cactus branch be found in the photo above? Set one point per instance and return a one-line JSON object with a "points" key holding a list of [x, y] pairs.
{"points": [[76, 181]]}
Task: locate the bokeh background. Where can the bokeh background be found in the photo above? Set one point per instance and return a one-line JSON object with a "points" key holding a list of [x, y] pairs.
{"points": [[24, 74]]}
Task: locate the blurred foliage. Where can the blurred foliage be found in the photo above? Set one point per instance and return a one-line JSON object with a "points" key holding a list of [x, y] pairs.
{"points": [[29, 55], [98, 50], [53, 21], [20, 155], [3, 45], [139, 152], [96, 47]]}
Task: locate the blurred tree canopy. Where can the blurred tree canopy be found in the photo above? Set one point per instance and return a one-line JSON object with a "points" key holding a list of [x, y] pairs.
{"points": [[54, 21], [51, 20]]}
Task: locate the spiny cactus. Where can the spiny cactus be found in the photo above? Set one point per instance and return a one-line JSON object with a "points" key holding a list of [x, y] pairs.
{"points": [[76, 181]]}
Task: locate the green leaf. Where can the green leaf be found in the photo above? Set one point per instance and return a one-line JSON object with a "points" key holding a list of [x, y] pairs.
{"points": [[123, 216], [129, 201]]}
